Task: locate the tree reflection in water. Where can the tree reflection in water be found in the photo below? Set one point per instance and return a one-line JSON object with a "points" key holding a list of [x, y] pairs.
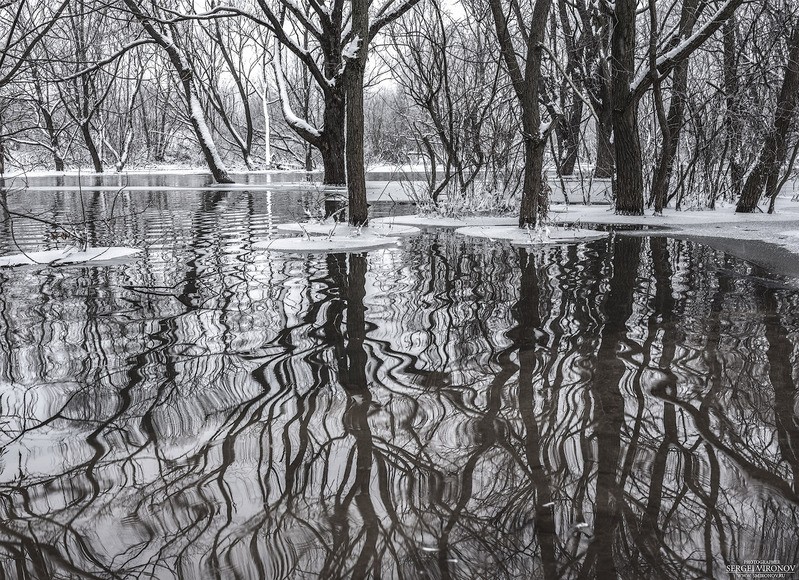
{"points": [[443, 410]]}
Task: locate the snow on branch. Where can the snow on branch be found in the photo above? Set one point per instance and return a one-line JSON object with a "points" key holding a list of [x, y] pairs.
{"points": [[351, 49], [348, 53], [311, 134], [300, 15], [684, 48], [388, 13], [30, 42], [108, 60]]}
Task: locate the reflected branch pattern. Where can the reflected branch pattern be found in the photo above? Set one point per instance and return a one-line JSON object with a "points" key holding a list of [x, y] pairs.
{"points": [[445, 409]]}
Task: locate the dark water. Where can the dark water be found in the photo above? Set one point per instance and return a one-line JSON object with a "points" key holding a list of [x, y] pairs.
{"points": [[443, 409]]}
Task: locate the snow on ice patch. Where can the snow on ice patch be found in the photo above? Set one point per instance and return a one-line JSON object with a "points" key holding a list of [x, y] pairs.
{"points": [[343, 230], [68, 255], [523, 237], [334, 244], [447, 222]]}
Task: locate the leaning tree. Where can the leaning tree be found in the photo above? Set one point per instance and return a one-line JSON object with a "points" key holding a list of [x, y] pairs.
{"points": [[764, 178], [162, 28]]}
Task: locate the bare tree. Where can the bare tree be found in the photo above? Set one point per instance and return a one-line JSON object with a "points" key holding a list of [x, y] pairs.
{"points": [[763, 179], [164, 32], [527, 87], [447, 69], [630, 83], [670, 123], [229, 57], [24, 26]]}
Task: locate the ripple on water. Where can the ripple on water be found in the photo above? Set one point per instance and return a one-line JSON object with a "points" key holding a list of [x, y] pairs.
{"points": [[437, 408]]}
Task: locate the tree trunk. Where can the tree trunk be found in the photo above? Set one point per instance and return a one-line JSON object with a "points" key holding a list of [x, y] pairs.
{"points": [[765, 174], [267, 130], [533, 182], [629, 185], [353, 82], [671, 137], [333, 143], [605, 164], [86, 133], [527, 87], [674, 118], [52, 136], [203, 133], [569, 136], [49, 124], [194, 108], [732, 121]]}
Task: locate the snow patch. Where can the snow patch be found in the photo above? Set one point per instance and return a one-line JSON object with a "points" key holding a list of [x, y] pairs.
{"points": [[344, 230], [68, 255], [446, 222], [351, 49], [670, 217], [335, 244], [524, 237]]}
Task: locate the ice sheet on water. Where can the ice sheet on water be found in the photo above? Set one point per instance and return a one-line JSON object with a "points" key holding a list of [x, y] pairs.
{"points": [[375, 228], [68, 255], [333, 244]]}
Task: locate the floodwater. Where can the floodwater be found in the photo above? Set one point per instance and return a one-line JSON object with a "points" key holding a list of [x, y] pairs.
{"points": [[440, 409]]}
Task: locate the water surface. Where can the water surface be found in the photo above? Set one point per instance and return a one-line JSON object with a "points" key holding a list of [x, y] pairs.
{"points": [[442, 409]]}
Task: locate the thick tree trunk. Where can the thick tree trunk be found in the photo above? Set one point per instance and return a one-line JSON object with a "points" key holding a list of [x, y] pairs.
{"points": [[772, 155], [203, 133], [353, 82], [527, 87], [333, 137], [629, 184], [532, 195]]}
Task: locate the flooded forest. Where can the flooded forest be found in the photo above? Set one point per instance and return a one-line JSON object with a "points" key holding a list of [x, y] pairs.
{"points": [[403, 289]]}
